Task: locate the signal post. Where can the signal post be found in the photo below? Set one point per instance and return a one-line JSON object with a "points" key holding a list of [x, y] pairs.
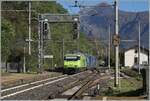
{"points": [[44, 31]]}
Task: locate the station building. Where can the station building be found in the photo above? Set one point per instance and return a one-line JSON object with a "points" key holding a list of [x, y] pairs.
{"points": [[131, 56]]}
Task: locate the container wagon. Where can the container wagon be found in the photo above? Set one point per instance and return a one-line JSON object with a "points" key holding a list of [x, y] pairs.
{"points": [[91, 62]]}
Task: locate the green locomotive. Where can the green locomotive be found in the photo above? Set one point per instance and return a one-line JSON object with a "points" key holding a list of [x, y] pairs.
{"points": [[75, 62]]}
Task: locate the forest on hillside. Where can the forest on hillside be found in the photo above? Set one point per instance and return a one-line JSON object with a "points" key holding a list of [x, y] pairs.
{"points": [[15, 31]]}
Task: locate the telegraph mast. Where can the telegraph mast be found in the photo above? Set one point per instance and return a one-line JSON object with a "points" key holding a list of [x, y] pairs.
{"points": [[29, 40], [109, 48], [117, 46], [139, 47]]}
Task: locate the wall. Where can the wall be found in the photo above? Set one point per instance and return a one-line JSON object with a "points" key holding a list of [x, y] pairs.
{"points": [[130, 56]]}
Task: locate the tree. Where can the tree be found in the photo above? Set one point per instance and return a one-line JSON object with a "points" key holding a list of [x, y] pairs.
{"points": [[16, 27], [7, 39]]}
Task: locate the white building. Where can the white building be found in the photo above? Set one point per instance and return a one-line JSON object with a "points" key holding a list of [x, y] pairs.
{"points": [[131, 56]]}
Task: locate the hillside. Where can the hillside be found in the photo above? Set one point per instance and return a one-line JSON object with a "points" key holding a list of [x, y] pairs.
{"points": [[96, 24], [15, 31]]}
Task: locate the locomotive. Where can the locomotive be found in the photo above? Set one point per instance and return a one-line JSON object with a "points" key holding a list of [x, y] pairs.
{"points": [[77, 62]]}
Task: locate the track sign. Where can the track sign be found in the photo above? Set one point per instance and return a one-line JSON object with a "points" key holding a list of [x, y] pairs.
{"points": [[48, 56], [116, 40]]}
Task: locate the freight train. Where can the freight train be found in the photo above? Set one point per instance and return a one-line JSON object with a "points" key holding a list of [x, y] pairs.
{"points": [[77, 62]]}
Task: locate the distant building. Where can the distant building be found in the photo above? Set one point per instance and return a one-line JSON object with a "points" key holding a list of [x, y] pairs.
{"points": [[131, 56], [12, 67]]}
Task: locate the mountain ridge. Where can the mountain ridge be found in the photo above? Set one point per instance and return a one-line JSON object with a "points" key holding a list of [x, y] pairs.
{"points": [[96, 25]]}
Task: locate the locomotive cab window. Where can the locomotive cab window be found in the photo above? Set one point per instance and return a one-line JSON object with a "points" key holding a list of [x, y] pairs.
{"points": [[71, 58]]}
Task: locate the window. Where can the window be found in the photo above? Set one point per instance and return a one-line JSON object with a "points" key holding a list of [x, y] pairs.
{"points": [[135, 60], [136, 51], [71, 58]]}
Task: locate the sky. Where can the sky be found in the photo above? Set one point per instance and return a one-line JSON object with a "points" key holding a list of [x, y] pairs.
{"points": [[126, 5]]}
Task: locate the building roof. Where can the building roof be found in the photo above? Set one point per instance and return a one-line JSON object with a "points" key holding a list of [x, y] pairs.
{"points": [[136, 47]]}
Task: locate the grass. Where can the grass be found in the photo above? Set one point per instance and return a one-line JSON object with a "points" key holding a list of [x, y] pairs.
{"points": [[133, 73], [13, 73], [130, 72], [11, 79], [126, 86]]}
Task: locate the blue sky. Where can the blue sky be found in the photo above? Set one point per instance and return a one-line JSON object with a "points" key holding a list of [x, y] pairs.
{"points": [[126, 5]]}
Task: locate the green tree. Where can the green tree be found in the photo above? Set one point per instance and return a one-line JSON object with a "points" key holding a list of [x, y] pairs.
{"points": [[17, 31], [7, 38]]}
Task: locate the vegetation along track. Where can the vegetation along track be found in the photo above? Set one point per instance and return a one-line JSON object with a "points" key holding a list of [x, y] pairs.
{"points": [[41, 89]]}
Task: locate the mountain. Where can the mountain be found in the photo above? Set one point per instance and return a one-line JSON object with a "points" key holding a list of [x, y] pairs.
{"points": [[95, 22]]}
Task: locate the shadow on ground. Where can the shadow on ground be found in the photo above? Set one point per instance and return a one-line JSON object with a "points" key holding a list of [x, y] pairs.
{"points": [[138, 92]]}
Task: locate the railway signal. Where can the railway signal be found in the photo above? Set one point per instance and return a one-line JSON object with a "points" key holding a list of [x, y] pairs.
{"points": [[75, 31], [46, 34], [76, 28], [43, 30]]}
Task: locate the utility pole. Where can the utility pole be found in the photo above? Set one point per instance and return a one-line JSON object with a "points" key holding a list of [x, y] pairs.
{"points": [[117, 46], [0, 34], [40, 43], [63, 51], [139, 46], [148, 78], [78, 38], [24, 60], [109, 48], [29, 40], [29, 28], [106, 54]]}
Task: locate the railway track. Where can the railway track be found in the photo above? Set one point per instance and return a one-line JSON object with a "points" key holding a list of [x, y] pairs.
{"points": [[95, 82], [78, 85], [82, 87], [13, 92], [74, 84], [29, 86]]}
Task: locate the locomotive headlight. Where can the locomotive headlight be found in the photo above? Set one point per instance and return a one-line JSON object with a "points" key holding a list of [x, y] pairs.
{"points": [[76, 19], [46, 20]]}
